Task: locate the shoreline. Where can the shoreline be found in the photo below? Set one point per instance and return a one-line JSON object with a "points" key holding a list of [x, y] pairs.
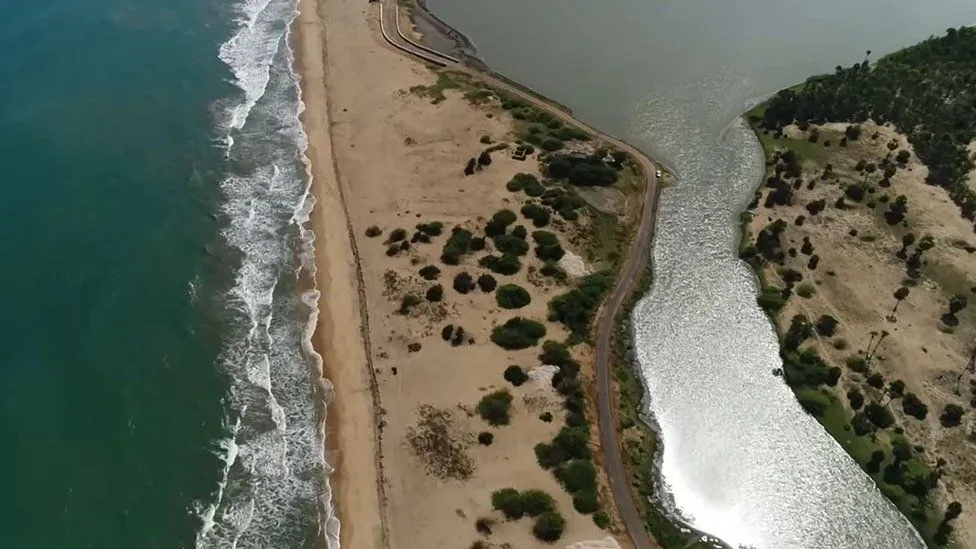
{"points": [[349, 424]]}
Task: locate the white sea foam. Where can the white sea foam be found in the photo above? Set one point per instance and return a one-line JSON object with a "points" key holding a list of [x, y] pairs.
{"points": [[274, 478]]}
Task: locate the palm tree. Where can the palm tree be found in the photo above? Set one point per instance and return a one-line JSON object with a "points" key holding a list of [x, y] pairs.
{"points": [[900, 294], [868, 350], [884, 334]]}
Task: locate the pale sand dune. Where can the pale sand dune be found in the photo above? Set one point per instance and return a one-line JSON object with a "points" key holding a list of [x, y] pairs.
{"points": [[398, 160]]}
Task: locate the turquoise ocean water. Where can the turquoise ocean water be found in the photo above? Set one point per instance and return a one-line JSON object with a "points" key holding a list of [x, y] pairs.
{"points": [[155, 377]]}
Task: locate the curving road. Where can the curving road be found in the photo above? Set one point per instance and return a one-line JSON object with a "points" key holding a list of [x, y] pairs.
{"points": [[637, 260]]}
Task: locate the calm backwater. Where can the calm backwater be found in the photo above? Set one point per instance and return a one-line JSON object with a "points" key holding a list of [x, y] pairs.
{"points": [[742, 460]]}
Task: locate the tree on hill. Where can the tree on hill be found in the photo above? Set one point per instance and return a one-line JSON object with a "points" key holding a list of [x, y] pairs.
{"points": [[900, 294]]}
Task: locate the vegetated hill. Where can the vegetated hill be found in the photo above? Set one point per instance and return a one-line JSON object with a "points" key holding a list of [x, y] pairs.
{"points": [[928, 91]]}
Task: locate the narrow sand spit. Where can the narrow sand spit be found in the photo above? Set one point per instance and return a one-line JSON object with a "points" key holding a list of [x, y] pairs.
{"points": [[386, 151]]}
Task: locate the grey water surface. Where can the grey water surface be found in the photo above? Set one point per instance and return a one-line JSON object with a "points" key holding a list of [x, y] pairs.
{"points": [[741, 459]]}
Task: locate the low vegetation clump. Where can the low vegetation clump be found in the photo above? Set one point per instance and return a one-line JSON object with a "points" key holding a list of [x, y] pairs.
{"points": [[435, 293], [434, 228], [499, 222], [463, 283], [408, 302], [487, 283], [512, 296], [547, 246], [518, 333], [510, 244], [538, 214], [485, 438], [525, 182], [373, 231], [575, 308], [437, 442], [549, 527], [430, 272], [583, 172], [495, 407], [515, 375], [507, 264], [509, 501], [457, 245]]}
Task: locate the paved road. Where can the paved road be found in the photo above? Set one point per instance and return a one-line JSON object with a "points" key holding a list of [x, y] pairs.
{"points": [[636, 261]]}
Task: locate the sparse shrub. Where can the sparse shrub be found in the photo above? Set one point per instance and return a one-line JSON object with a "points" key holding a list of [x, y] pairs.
{"points": [[485, 139], [509, 502], [575, 308], [457, 245], [511, 296], [951, 416], [434, 228], [485, 438], [397, 235], [518, 333], [487, 283], [494, 407], [484, 525], [507, 264], [601, 519], [463, 283], [553, 270], [447, 331], [857, 363], [515, 375], [520, 232], [430, 272], [458, 337], [805, 291], [414, 347], [826, 325], [408, 302], [546, 417], [549, 527], [510, 244], [879, 415], [435, 293], [373, 231]]}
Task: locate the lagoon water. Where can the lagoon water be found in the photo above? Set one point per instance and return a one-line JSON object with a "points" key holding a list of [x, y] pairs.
{"points": [[741, 459]]}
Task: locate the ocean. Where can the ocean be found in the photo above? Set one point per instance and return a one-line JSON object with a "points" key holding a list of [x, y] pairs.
{"points": [[156, 376]]}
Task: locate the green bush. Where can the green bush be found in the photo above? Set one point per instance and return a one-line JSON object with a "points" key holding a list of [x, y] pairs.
{"points": [[456, 246], [485, 438], [434, 228], [575, 308], [520, 232], [578, 475], [586, 502], [435, 293], [805, 291], [550, 253], [538, 214], [463, 283], [574, 442], [430, 272], [601, 519], [554, 271], [397, 235], [507, 264], [879, 415], [537, 502], [534, 189], [518, 333], [499, 222], [549, 527], [494, 407], [805, 369], [549, 455], [487, 283], [511, 296], [771, 299], [551, 144], [373, 231], [545, 238], [509, 244], [509, 502], [857, 363], [520, 181], [515, 375], [814, 402]]}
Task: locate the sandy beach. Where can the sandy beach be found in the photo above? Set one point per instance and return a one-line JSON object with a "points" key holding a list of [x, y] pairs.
{"points": [[388, 141]]}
